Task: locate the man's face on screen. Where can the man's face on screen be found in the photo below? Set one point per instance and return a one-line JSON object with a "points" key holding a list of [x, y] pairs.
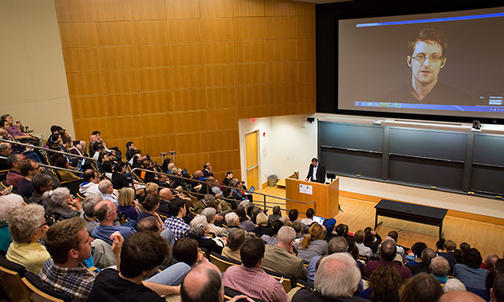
{"points": [[426, 62]]}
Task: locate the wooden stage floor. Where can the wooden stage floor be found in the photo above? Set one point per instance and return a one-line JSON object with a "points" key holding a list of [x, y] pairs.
{"points": [[358, 213]]}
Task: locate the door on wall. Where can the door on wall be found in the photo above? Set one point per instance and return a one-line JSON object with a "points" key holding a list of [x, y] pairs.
{"points": [[251, 158]]}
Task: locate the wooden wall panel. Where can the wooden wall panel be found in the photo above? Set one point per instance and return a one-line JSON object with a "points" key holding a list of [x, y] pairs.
{"points": [[182, 9], [178, 74], [216, 8]]}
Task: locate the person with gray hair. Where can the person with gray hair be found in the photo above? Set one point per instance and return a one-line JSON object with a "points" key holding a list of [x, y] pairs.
{"points": [[8, 203], [107, 191], [232, 220], [235, 240], [27, 225], [338, 244], [88, 211], [281, 257], [210, 214], [337, 279], [42, 183], [200, 232], [61, 205], [440, 268], [454, 285]]}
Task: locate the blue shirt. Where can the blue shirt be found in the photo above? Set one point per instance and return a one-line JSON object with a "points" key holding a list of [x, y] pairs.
{"points": [[473, 278], [103, 232]]}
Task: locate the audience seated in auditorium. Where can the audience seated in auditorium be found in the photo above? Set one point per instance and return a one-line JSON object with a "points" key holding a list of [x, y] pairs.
{"points": [[293, 215], [424, 263], [281, 257], [448, 253], [204, 284], [106, 213], [337, 279], [175, 223], [14, 175], [211, 214], [440, 268], [338, 244], [227, 178], [69, 245], [275, 227], [27, 226], [42, 183], [250, 279], [395, 236], [234, 242], [127, 204], [359, 242], [262, 225], [88, 213], [454, 285], [28, 168], [372, 239], [470, 272], [276, 214], [207, 201], [314, 243], [150, 206], [107, 191], [417, 249], [119, 180], [387, 254], [384, 285], [342, 230], [309, 217], [200, 231], [89, 184], [8, 203], [207, 170], [62, 205], [422, 287], [141, 254], [329, 225], [245, 222], [165, 197]]}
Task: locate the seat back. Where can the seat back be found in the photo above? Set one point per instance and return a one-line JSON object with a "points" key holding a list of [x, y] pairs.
{"points": [[10, 280], [222, 262], [41, 292], [229, 293], [288, 282]]}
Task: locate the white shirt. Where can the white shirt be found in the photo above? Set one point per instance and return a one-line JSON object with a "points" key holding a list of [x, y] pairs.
{"points": [[314, 174]]}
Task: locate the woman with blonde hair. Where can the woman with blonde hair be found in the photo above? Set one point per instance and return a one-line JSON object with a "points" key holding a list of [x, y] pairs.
{"points": [[127, 205], [313, 244]]}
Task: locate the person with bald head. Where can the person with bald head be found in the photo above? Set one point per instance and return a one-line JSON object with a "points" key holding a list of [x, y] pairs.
{"points": [[165, 197], [281, 257], [336, 279], [460, 297], [106, 213], [388, 252], [203, 283]]}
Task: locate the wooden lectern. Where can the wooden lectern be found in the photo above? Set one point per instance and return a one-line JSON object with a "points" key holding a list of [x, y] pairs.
{"points": [[326, 197]]}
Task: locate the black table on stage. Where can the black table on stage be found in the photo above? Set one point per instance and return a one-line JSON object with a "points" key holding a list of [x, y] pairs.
{"points": [[410, 212]]}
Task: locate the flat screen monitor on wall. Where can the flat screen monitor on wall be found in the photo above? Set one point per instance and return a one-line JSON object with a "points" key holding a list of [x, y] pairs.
{"points": [[449, 64]]}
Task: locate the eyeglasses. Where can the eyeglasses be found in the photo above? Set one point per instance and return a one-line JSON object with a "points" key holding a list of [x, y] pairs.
{"points": [[434, 58]]}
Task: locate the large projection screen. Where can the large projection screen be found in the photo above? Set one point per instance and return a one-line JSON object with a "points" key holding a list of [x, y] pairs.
{"points": [[449, 64]]}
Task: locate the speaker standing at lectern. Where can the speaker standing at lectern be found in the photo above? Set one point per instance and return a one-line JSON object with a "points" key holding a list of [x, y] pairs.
{"points": [[316, 172]]}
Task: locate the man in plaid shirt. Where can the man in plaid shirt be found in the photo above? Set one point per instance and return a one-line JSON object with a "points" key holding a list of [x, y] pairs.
{"points": [[69, 244], [175, 223]]}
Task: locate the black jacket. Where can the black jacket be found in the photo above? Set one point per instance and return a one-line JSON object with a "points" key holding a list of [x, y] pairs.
{"points": [[321, 175]]}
